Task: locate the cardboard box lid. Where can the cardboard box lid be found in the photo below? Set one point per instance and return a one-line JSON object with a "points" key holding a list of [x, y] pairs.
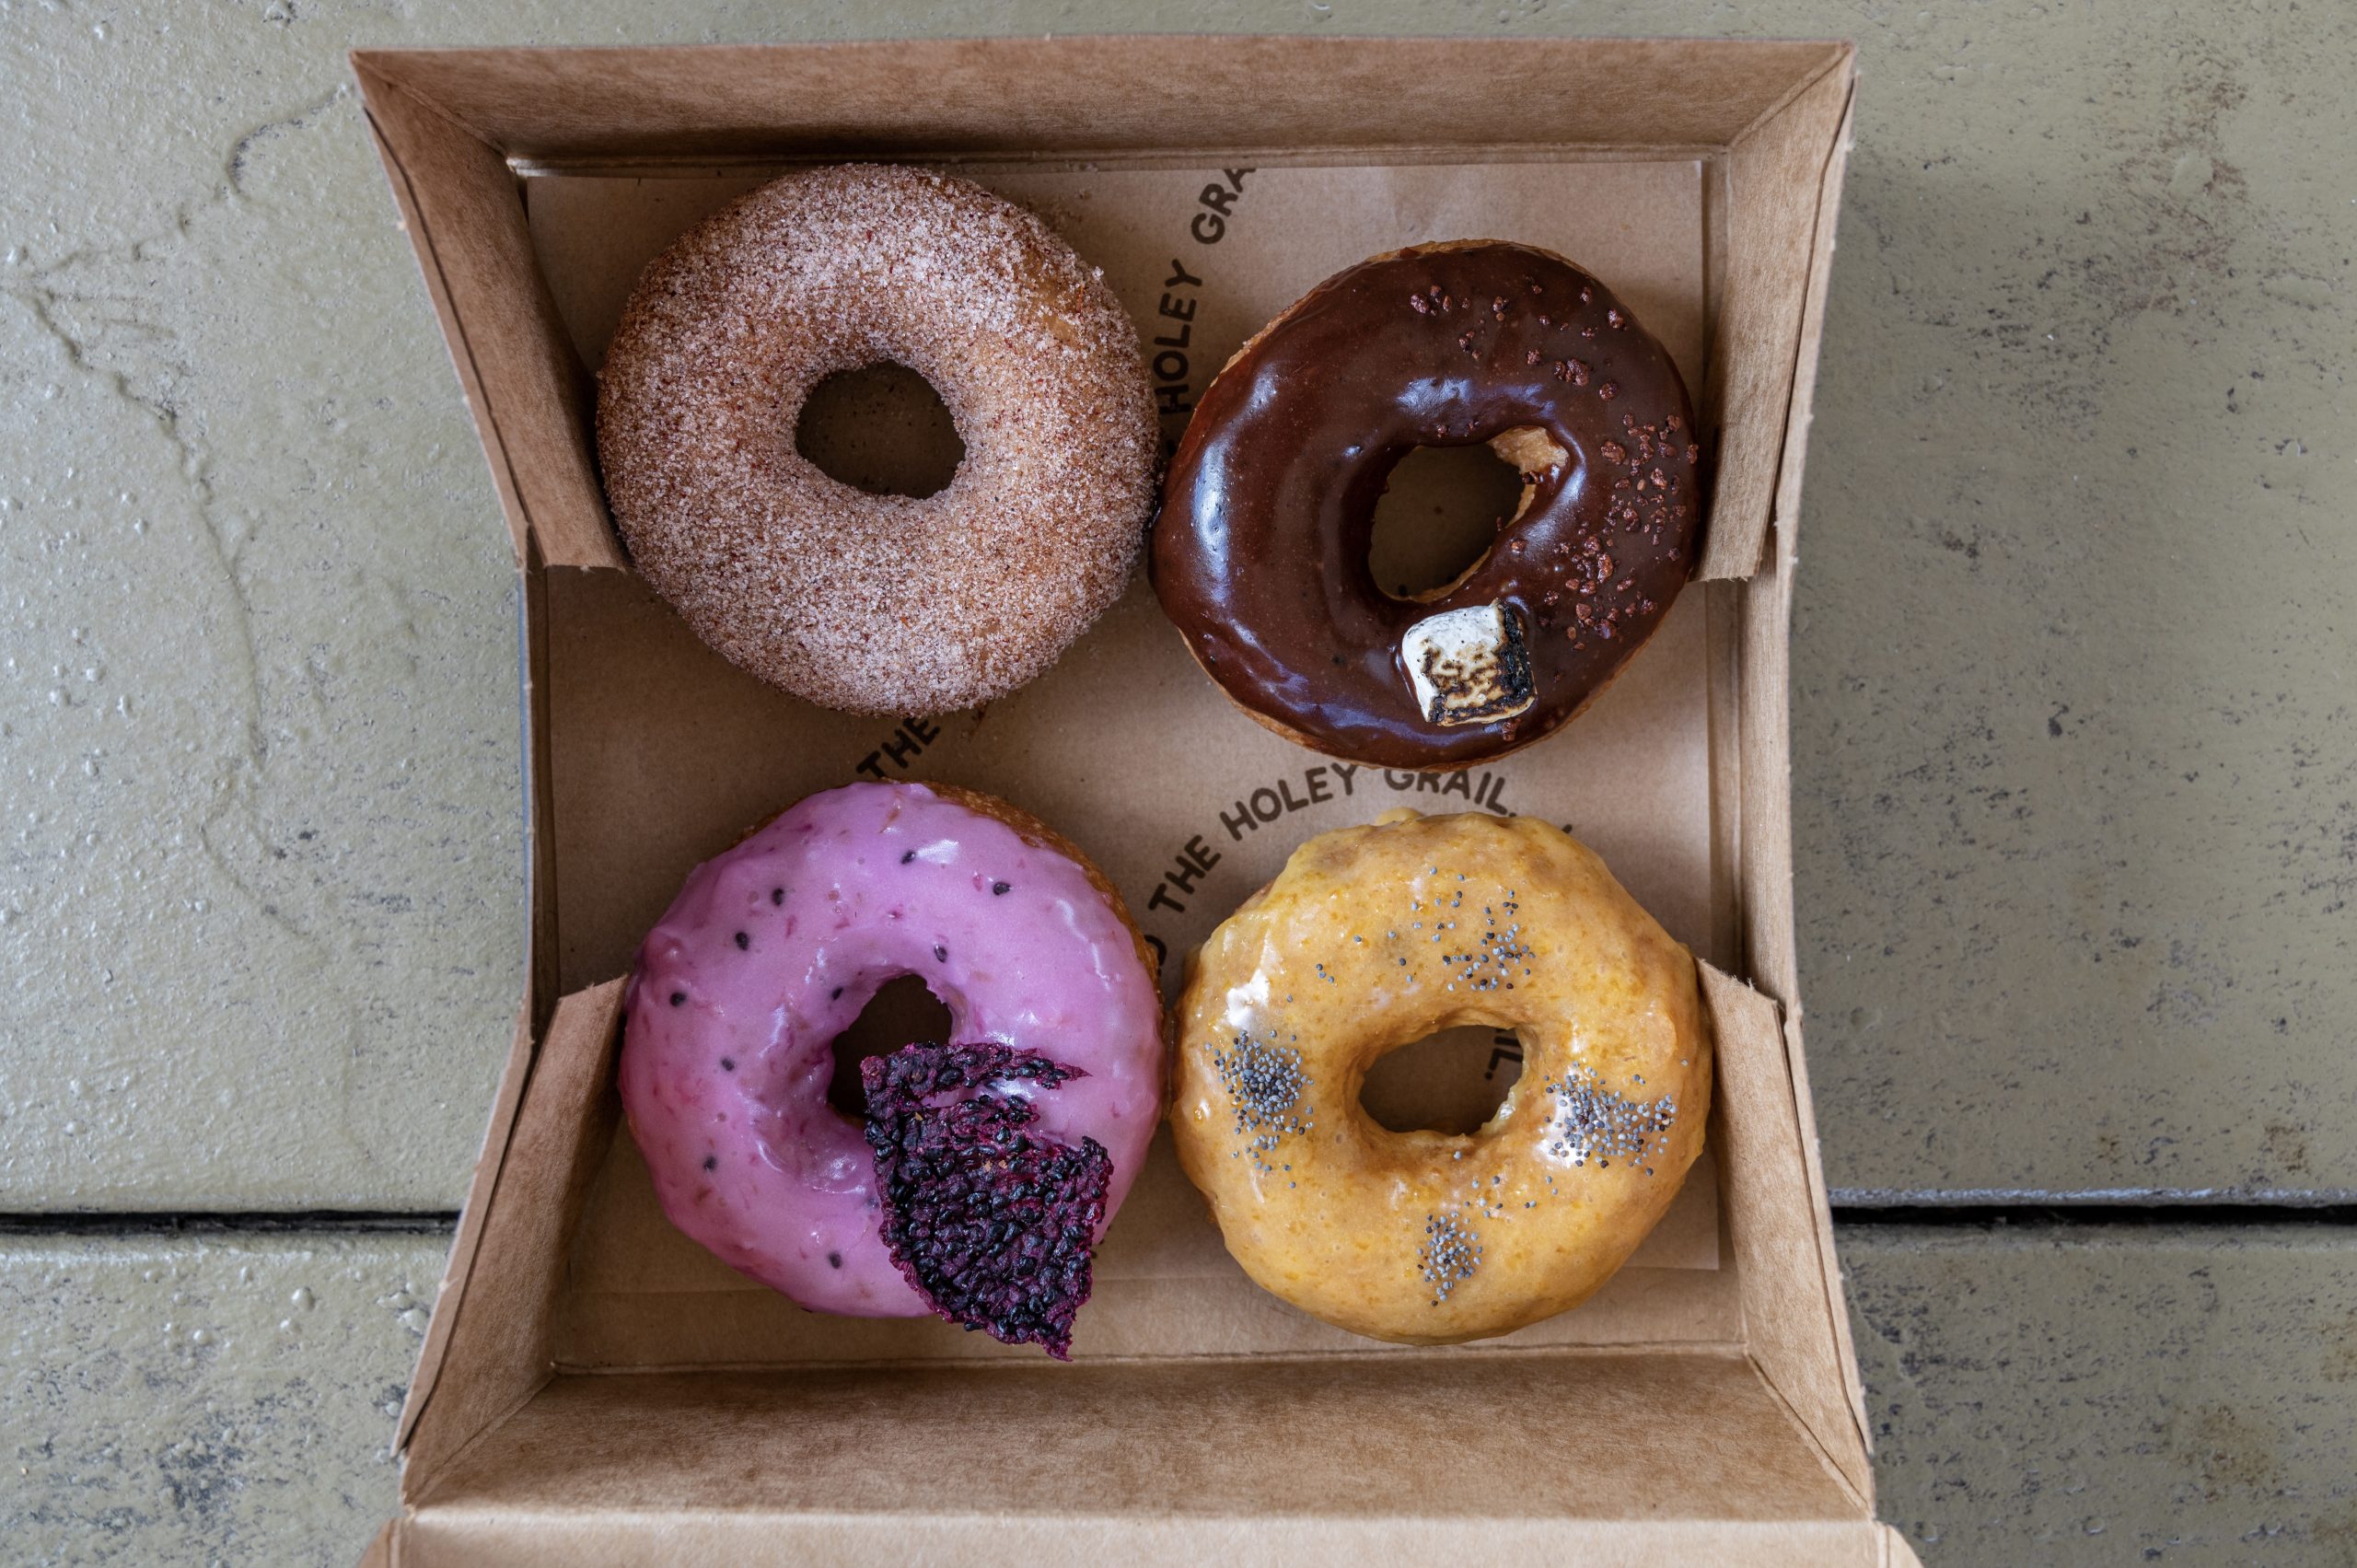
{"points": [[497, 1441]]}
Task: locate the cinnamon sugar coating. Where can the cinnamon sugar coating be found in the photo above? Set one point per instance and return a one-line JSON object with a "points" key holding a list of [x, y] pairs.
{"points": [[885, 604]]}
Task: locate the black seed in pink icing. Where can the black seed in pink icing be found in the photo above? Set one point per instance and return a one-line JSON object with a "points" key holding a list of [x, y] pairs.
{"points": [[993, 1226], [728, 1064], [678, 999], [744, 940], [834, 1259], [908, 857], [940, 954], [777, 895], [712, 1162], [998, 889]]}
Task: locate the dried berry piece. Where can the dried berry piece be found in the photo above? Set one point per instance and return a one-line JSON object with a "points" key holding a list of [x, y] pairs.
{"points": [[993, 1226]]}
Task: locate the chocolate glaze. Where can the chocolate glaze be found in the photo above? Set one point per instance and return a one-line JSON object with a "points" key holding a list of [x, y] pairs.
{"points": [[1260, 553]]}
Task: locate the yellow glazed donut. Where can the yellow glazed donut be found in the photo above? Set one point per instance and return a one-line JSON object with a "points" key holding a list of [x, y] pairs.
{"points": [[1372, 938]]}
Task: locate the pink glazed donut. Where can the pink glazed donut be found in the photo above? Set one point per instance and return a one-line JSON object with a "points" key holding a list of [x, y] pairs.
{"points": [[989, 1162]]}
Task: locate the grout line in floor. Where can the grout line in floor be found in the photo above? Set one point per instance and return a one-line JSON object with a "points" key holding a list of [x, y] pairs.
{"points": [[2053, 1212], [2199, 1214], [138, 1222], [1857, 1198]]}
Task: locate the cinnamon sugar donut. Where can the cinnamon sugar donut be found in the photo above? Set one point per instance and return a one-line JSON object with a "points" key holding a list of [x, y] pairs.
{"points": [[887, 604]]}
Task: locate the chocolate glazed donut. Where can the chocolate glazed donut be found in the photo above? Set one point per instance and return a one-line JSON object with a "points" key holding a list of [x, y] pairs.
{"points": [[1260, 553]]}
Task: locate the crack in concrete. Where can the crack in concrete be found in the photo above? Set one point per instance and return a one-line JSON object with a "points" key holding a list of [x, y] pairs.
{"points": [[89, 324], [303, 118]]}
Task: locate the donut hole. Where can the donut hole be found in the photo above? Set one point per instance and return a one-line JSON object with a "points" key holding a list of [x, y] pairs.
{"points": [[1442, 509], [1450, 1082], [903, 1010], [881, 429]]}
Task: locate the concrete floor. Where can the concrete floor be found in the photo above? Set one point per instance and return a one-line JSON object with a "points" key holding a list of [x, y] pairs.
{"points": [[2076, 812]]}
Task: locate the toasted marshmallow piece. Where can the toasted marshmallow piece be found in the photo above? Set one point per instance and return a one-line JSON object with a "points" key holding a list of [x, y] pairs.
{"points": [[1469, 666]]}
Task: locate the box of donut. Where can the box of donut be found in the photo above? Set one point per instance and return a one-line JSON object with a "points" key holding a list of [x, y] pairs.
{"points": [[1160, 878]]}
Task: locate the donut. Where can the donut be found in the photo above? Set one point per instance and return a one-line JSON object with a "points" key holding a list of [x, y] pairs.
{"points": [[984, 1207], [1259, 556], [874, 603], [1374, 937]]}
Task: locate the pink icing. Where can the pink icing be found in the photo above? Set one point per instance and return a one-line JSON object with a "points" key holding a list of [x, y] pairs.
{"points": [[726, 1087]]}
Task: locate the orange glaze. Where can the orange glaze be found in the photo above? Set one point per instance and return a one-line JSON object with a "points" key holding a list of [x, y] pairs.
{"points": [[1423, 1237]]}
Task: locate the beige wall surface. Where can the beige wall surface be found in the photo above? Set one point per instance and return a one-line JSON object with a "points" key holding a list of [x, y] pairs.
{"points": [[2075, 796]]}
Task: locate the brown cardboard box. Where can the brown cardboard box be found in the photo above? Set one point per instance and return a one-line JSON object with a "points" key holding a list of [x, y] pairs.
{"points": [[595, 1389]]}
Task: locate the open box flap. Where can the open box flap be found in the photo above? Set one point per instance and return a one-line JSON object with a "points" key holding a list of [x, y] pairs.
{"points": [[450, 1540], [449, 125], [1780, 179], [528, 394], [1782, 1233], [1115, 95], [1794, 458], [495, 1353], [470, 1223], [1537, 1458]]}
